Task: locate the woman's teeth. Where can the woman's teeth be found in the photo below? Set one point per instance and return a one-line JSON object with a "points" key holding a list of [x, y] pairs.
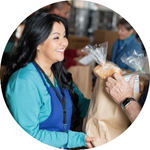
{"points": [[60, 50]]}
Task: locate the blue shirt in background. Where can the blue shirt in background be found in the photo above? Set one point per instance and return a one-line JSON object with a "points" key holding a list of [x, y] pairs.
{"points": [[124, 46]]}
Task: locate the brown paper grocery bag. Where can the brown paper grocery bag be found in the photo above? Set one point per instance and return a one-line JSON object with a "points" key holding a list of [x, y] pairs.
{"points": [[105, 119], [82, 78]]}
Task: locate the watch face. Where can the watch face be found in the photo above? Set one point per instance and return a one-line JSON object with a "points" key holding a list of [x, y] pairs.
{"points": [[126, 101]]}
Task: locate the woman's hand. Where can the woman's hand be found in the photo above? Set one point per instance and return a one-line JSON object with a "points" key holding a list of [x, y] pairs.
{"points": [[118, 88], [80, 53], [88, 141]]}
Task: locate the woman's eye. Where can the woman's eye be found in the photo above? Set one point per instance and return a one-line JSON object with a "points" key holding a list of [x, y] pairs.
{"points": [[65, 36], [55, 38]]}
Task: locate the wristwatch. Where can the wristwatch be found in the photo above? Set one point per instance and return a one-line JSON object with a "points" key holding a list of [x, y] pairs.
{"points": [[127, 101]]}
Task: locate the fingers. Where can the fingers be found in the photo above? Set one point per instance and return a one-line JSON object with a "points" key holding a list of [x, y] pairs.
{"points": [[131, 81], [115, 87], [113, 92], [110, 82], [114, 77], [117, 76], [90, 139], [89, 145]]}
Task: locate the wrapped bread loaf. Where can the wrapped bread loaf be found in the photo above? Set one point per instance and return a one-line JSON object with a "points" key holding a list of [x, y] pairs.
{"points": [[107, 70], [143, 85], [143, 80]]}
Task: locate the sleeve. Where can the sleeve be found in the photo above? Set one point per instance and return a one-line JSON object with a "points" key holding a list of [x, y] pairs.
{"points": [[69, 55], [83, 103], [24, 104], [144, 96]]}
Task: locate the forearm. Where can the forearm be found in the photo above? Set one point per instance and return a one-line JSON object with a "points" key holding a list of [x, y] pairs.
{"points": [[69, 139], [83, 103], [132, 110]]}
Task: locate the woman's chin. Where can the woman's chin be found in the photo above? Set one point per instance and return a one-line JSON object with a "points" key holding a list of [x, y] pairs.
{"points": [[60, 59]]}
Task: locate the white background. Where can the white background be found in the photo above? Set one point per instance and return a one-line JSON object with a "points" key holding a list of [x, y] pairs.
{"points": [[13, 12]]}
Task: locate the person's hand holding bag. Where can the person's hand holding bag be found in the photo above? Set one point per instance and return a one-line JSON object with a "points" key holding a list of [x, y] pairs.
{"points": [[118, 88], [88, 141]]}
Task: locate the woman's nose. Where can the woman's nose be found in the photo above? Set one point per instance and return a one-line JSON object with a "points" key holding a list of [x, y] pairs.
{"points": [[64, 42]]}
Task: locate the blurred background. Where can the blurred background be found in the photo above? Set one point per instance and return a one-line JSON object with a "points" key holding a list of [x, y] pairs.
{"points": [[88, 22], [86, 17]]}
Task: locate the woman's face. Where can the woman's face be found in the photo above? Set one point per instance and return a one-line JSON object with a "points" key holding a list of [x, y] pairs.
{"points": [[52, 49], [123, 32]]}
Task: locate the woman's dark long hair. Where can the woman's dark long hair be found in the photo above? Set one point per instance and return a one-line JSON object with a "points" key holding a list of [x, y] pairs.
{"points": [[36, 31]]}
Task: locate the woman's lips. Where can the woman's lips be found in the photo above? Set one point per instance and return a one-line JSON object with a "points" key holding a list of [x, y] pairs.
{"points": [[60, 51]]}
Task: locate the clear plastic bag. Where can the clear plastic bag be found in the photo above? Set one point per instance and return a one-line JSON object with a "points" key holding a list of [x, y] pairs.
{"points": [[98, 53], [136, 60]]}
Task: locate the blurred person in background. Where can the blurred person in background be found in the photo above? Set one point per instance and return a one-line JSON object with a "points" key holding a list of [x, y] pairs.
{"points": [[122, 94], [61, 9], [126, 43]]}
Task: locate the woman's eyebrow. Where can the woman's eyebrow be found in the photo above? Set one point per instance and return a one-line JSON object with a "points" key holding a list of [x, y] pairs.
{"points": [[55, 33], [58, 33]]}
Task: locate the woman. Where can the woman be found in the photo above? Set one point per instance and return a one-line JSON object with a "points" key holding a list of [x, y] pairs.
{"points": [[126, 43], [39, 92]]}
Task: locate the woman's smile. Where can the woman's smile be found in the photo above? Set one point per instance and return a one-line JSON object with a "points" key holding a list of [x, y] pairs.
{"points": [[61, 51]]}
